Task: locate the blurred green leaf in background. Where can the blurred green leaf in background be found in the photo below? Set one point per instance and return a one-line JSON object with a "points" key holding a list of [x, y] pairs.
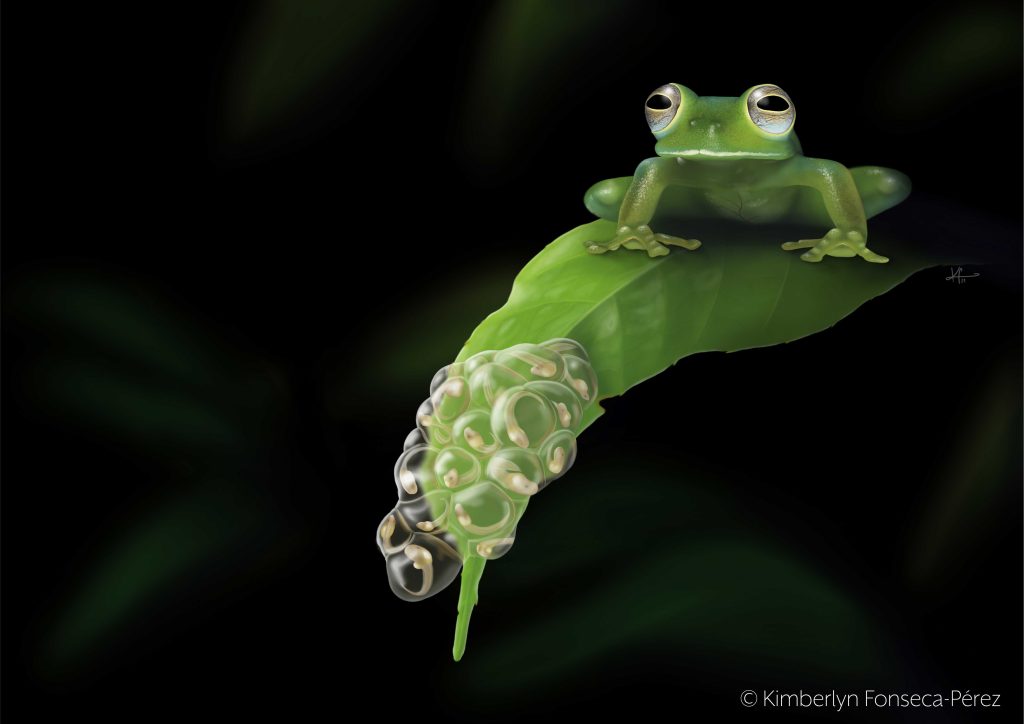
{"points": [[290, 53], [128, 368]]}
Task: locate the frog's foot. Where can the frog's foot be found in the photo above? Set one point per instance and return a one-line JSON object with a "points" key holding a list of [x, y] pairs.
{"points": [[640, 237], [836, 243]]}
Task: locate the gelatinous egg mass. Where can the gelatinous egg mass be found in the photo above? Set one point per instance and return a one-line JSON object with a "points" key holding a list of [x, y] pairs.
{"points": [[495, 430]]}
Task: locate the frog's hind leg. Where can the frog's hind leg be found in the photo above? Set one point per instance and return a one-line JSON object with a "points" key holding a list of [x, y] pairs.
{"points": [[880, 188], [604, 198]]}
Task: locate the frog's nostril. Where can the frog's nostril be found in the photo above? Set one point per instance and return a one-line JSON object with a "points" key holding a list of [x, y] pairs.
{"points": [[710, 125]]}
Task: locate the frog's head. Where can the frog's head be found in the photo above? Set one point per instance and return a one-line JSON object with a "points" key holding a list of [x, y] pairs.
{"points": [[757, 125]]}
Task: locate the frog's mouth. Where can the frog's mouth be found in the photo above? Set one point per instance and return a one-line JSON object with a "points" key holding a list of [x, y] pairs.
{"points": [[705, 153]]}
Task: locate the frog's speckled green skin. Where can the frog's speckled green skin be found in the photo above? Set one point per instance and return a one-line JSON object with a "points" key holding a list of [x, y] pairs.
{"points": [[739, 158]]}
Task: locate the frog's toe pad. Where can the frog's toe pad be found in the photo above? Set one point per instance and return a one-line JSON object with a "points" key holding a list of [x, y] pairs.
{"points": [[689, 244], [871, 256], [594, 247], [813, 255]]}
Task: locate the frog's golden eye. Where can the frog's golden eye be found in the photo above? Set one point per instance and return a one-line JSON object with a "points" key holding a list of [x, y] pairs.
{"points": [[770, 109], [662, 106]]}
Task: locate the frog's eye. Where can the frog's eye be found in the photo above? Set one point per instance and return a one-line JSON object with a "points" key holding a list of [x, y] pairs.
{"points": [[662, 106], [770, 109]]}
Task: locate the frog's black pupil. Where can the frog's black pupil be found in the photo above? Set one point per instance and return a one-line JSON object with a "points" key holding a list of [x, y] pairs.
{"points": [[658, 102], [773, 103]]}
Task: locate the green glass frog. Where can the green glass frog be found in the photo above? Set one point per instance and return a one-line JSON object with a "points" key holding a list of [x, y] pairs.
{"points": [[739, 158]]}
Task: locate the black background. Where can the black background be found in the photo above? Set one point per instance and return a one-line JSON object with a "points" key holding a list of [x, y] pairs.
{"points": [[115, 160]]}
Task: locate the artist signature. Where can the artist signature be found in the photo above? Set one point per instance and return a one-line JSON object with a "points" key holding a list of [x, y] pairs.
{"points": [[957, 275]]}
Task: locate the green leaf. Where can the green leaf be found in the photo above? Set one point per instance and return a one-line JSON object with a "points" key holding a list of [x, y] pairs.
{"points": [[637, 315]]}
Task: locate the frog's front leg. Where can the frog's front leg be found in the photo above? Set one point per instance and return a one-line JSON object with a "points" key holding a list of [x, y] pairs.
{"points": [[838, 191], [652, 177]]}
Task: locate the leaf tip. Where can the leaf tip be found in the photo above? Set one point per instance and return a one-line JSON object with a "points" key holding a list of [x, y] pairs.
{"points": [[471, 574]]}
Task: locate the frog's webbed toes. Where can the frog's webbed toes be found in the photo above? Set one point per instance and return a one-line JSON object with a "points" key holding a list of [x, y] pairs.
{"points": [[835, 243], [650, 245], [855, 243], [640, 238]]}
